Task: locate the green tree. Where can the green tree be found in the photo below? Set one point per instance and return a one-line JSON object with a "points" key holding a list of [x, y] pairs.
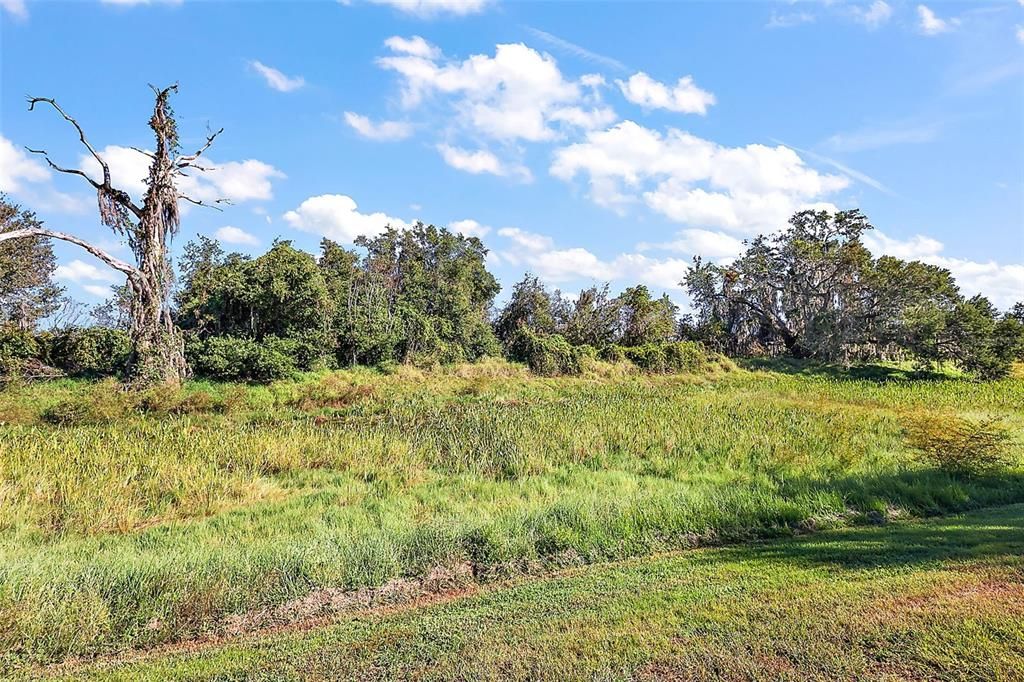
{"points": [[643, 319], [530, 306], [27, 290]]}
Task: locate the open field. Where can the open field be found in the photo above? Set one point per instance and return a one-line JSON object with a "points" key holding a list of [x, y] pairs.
{"points": [[940, 599], [134, 525]]}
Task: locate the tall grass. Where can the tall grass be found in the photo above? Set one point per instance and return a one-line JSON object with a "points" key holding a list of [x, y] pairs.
{"points": [[160, 520]]}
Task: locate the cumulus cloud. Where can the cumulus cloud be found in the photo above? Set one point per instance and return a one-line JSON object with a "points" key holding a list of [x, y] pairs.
{"points": [[337, 217], [380, 130], [16, 8], [684, 97], [518, 94], [236, 181], [426, 9], [415, 46], [1002, 283], [874, 15], [932, 25], [708, 244], [469, 228], [277, 80], [29, 179], [694, 181], [789, 20], [229, 234], [481, 161], [80, 272]]}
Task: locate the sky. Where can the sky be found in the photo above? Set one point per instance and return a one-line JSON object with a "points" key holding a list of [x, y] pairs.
{"points": [[583, 142]]}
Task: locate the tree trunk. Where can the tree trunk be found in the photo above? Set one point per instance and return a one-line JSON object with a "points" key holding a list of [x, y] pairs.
{"points": [[158, 349]]}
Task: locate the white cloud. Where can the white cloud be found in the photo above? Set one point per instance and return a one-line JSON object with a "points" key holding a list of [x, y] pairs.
{"points": [[18, 168], [277, 80], [694, 181], [16, 8], [481, 161], [515, 95], [1020, 34], [537, 253], [684, 96], [426, 9], [873, 16], [79, 271], [230, 234], [1003, 284], [98, 290], [30, 180], [932, 25], [469, 228], [415, 46], [529, 241], [336, 216], [236, 181], [709, 244], [381, 130], [789, 20]]}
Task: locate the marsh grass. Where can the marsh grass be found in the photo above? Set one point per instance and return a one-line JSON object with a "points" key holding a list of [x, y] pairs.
{"points": [[157, 523]]}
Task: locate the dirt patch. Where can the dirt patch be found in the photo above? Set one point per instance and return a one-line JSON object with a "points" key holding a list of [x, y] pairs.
{"points": [[330, 601]]}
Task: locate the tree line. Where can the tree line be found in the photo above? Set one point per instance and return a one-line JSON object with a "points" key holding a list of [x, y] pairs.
{"points": [[424, 296]]}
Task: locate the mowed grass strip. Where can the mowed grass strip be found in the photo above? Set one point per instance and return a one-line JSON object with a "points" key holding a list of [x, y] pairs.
{"points": [[164, 522], [935, 600]]}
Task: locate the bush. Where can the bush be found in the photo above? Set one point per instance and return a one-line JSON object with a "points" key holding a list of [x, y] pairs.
{"points": [[16, 348], [228, 358], [960, 446], [88, 352], [550, 355], [662, 358]]}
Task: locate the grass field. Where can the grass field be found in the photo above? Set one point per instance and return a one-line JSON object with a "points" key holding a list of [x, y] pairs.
{"points": [[135, 523], [933, 600]]}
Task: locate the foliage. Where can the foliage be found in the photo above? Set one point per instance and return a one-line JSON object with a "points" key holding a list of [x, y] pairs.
{"points": [[814, 291], [229, 358], [550, 355], [961, 446], [87, 351], [27, 290], [663, 358]]}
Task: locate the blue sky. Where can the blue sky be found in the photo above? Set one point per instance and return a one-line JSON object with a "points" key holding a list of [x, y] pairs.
{"points": [[584, 142]]}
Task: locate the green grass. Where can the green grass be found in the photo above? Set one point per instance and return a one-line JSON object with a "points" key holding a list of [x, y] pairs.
{"points": [[938, 600], [148, 522]]}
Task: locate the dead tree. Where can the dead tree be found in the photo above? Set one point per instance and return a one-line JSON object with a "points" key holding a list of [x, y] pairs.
{"points": [[157, 345]]}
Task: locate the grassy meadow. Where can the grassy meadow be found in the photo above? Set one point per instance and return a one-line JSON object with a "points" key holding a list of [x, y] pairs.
{"points": [[135, 521], [938, 600]]}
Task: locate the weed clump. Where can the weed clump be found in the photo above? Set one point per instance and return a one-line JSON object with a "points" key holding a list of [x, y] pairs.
{"points": [[106, 402], [961, 446]]}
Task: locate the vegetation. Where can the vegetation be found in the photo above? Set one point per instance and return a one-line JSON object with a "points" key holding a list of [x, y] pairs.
{"points": [[133, 519], [814, 291], [940, 600]]}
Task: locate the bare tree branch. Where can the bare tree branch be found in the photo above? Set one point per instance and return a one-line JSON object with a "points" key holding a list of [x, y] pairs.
{"points": [[131, 271], [205, 204], [186, 161], [70, 171], [120, 196]]}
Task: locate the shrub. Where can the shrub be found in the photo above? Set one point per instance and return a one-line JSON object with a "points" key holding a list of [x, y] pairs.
{"points": [[662, 358], [228, 358], [17, 347], [88, 352], [550, 354], [960, 446]]}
